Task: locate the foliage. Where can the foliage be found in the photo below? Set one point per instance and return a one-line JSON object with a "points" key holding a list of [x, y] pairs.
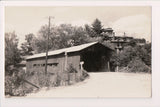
{"points": [[12, 73], [147, 57], [12, 53], [62, 36], [27, 47], [74, 76], [79, 36], [134, 42], [97, 26], [71, 69], [14, 83], [95, 29], [137, 65], [90, 31], [132, 54]]}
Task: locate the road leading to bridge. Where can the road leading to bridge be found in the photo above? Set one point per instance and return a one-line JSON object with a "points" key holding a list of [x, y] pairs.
{"points": [[104, 84]]}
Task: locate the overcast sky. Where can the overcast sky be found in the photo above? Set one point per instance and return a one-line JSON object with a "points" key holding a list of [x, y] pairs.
{"points": [[134, 21]]}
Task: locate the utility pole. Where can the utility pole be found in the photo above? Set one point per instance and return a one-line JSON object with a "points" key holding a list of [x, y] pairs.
{"points": [[46, 61]]}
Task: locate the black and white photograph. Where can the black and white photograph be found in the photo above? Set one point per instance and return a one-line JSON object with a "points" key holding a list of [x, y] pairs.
{"points": [[78, 52]]}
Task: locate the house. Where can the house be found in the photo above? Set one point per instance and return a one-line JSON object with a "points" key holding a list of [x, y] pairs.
{"points": [[92, 57]]}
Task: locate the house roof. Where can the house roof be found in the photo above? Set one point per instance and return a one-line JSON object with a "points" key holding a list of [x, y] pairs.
{"points": [[59, 51], [108, 29]]}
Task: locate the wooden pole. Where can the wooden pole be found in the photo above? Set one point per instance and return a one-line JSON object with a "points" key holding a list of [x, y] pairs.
{"points": [[108, 66], [65, 66], [46, 61], [81, 64], [117, 59], [118, 44]]}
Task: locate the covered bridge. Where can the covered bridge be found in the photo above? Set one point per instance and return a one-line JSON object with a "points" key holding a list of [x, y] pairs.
{"points": [[93, 57]]}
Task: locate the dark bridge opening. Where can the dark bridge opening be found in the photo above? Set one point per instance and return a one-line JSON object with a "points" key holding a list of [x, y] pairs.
{"points": [[96, 59]]}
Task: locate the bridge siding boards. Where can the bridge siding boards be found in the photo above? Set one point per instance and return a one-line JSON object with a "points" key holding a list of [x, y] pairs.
{"points": [[56, 59]]}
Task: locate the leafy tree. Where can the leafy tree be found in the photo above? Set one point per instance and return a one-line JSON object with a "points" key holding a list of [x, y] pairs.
{"points": [[12, 53], [27, 47], [137, 65], [39, 43], [90, 31], [64, 33], [136, 57], [57, 39], [124, 57], [144, 53], [62, 36], [79, 36]]}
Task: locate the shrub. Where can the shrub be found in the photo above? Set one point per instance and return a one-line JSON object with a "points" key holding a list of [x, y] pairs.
{"points": [[14, 83], [72, 75], [71, 69], [137, 65], [21, 83]]}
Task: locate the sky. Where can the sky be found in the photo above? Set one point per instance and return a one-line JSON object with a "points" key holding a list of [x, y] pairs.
{"points": [[135, 21]]}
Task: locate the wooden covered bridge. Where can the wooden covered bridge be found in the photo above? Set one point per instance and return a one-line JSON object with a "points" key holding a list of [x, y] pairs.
{"points": [[92, 57]]}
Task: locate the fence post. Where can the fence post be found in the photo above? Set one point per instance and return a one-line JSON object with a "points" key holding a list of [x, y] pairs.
{"points": [[81, 64]]}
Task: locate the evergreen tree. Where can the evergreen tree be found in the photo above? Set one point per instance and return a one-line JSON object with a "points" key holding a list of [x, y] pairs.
{"points": [[97, 26]]}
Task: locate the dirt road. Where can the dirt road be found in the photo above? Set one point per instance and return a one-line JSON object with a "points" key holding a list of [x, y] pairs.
{"points": [[104, 84]]}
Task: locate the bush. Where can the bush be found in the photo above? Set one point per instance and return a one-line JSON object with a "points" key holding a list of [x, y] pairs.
{"points": [[71, 69], [72, 75], [40, 79], [130, 57], [137, 65], [21, 83], [14, 83]]}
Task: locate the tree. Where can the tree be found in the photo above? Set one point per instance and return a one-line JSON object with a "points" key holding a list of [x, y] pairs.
{"points": [[136, 57], [12, 53], [90, 31], [62, 36], [95, 29], [97, 26], [27, 47], [144, 52], [59, 35], [147, 58], [137, 65], [79, 36]]}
